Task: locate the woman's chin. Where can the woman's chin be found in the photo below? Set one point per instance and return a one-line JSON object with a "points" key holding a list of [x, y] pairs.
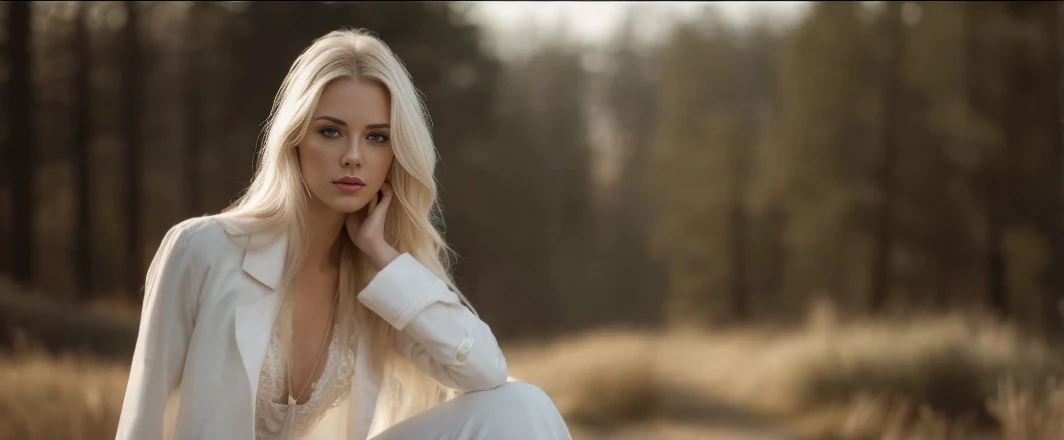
{"points": [[346, 208], [350, 207], [343, 203]]}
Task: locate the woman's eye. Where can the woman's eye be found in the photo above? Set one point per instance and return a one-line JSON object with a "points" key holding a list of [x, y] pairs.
{"points": [[378, 138], [330, 132]]}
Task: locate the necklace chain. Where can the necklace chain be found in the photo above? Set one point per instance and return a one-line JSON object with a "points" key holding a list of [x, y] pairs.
{"points": [[317, 360]]}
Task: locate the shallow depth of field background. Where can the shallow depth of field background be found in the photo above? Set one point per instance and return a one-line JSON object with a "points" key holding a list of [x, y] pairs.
{"points": [[717, 221]]}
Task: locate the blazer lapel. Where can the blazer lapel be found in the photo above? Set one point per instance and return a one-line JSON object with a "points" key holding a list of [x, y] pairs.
{"points": [[366, 390], [255, 319]]}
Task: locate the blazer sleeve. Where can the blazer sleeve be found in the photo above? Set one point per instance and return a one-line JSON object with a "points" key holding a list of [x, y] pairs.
{"points": [[166, 324], [437, 332]]}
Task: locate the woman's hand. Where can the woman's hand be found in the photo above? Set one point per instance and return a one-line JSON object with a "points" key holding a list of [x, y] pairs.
{"points": [[365, 227]]}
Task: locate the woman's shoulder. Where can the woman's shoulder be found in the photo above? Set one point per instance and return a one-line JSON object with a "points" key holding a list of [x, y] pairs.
{"points": [[205, 235]]}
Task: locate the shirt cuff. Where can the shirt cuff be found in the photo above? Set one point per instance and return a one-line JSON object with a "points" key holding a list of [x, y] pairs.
{"points": [[402, 289]]}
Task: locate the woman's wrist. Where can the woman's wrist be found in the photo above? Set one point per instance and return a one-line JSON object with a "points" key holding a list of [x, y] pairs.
{"points": [[382, 254]]}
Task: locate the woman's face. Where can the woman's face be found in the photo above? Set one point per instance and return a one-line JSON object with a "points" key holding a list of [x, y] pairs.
{"points": [[347, 151]]}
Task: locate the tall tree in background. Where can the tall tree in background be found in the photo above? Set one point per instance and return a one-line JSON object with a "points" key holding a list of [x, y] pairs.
{"points": [[751, 77], [1053, 306], [538, 198], [630, 95], [828, 142], [131, 119], [892, 113], [82, 118], [753, 230], [931, 215], [21, 140], [686, 168], [1038, 82], [976, 55], [567, 212], [767, 254], [711, 96], [194, 127]]}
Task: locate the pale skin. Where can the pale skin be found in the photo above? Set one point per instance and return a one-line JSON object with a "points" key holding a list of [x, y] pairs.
{"points": [[349, 135]]}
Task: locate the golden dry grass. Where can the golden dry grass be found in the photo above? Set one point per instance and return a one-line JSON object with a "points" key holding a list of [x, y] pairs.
{"points": [[59, 398], [1023, 414], [919, 379]]}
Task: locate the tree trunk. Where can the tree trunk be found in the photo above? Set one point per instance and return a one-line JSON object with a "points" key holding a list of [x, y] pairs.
{"points": [[21, 141], [1013, 120], [82, 135], [1053, 302], [131, 70], [995, 261], [986, 178], [739, 286], [741, 152], [193, 107], [892, 114]]}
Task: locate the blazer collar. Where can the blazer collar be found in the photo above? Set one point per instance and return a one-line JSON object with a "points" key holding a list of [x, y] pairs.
{"points": [[265, 258]]}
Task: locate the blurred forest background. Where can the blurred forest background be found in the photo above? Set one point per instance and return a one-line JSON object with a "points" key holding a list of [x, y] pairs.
{"points": [[868, 163]]}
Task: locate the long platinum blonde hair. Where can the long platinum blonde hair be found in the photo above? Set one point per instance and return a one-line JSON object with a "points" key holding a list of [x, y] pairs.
{"points": [[275, 202]]}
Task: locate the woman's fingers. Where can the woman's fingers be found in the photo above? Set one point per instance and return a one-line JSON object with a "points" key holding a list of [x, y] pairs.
{"points": [[372, 205], [386, 200], [354, 222]]}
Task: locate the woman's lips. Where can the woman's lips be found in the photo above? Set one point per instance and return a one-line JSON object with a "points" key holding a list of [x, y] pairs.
{"points": [[348, 187]]}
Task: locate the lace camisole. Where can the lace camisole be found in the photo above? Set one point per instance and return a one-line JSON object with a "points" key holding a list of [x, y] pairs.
{"points": [[273, 419]]}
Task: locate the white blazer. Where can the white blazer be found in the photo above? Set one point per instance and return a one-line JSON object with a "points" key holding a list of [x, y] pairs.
{"points": [[209, 308]]}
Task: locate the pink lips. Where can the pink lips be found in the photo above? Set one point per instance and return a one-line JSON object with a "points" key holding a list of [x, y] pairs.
{"points": [[349, 184]]}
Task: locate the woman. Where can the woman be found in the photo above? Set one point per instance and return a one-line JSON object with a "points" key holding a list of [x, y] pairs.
{"points": [[319, 305]]}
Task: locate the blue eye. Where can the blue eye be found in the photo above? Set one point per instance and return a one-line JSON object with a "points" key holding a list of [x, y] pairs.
{"points": [[378, 137], [329, 132]]}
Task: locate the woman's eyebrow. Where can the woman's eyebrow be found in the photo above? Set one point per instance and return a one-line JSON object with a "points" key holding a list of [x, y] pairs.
{"points": [[340, 122], [333, 120]]}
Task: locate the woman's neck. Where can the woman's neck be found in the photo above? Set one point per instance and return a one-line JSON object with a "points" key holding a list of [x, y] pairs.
{"points": [[323, 248]]}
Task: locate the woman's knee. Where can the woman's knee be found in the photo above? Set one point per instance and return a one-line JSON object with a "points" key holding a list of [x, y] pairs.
{"points": [[523, 397], [520, 410], [526, 393]]}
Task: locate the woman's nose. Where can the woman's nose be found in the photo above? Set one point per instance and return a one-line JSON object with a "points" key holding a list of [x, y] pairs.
{"points": [[352, 158]]}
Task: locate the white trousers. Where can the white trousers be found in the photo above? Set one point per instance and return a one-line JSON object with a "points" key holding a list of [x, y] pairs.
{"points": [[514, 411]]}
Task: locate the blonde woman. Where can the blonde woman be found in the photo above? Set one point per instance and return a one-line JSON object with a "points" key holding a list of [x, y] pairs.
{"points": [[319, 305]]}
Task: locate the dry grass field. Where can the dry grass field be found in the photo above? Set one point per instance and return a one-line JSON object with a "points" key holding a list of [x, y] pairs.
{"points": [[938, 378]]}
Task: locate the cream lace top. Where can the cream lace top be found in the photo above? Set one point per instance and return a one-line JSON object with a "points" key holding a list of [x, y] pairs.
{"points": [[327, 392]]}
